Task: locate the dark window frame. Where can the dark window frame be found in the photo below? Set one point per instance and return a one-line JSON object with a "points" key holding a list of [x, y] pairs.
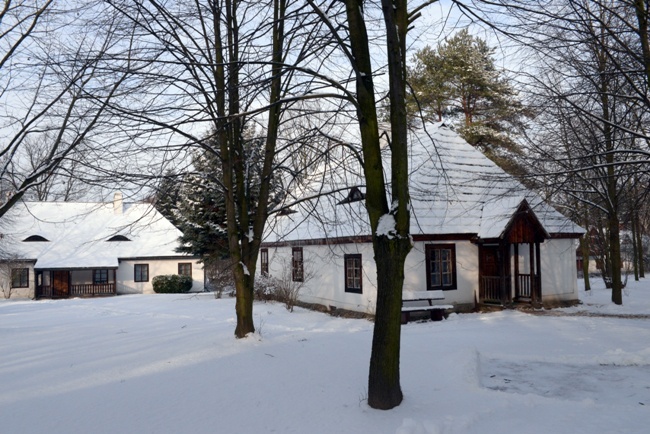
{"points": [[350, 280], [429, 251], [182, 265], [137, 277], [20, 277], [264, 262], [297, 265], [98, 278]]}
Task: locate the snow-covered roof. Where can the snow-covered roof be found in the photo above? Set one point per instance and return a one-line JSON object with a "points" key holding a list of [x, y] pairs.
{"points": [[454, 188], [77, 234]]}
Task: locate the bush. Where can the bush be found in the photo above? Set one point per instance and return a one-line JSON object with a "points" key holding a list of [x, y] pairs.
{"points": [[172, 284]]}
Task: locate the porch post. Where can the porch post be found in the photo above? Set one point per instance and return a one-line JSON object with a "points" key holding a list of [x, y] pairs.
{"points": [[505, 273], [516, 270], [538, 276], [533, 290]]}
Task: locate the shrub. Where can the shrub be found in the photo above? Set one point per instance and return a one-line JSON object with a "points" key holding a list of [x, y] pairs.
{"points": [[171, 284]]}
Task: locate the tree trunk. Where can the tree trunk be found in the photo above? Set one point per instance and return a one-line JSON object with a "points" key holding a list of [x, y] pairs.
{"points": [[635, 247], [615, 258], [642, 19], [639, 243], [384, 390], [585, 251]]}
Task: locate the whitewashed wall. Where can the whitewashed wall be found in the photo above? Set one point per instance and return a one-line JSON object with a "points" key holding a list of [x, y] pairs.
{"points": [[415, 278], [559, 273], [327, 287], [5, 281], [324, 272], [157, 267]]}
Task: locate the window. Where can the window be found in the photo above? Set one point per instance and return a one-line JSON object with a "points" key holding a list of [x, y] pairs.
{"points": [[297, 269], [264, 262], [185, 269], [141, 272], [20, 277], [352, 273], [441, 266], [100, 276]]}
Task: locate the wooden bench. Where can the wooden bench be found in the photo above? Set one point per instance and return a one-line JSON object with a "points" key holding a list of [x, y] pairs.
{"points": [[413, 297]]}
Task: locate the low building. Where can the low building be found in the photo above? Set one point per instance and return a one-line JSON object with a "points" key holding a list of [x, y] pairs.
{"points": [[72, 249], [478, 234]]}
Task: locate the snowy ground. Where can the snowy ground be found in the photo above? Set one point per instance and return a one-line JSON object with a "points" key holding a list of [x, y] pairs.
{"points": [[170, 364]]}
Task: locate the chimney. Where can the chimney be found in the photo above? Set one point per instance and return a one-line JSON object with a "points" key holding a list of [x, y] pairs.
{"points": [[118, 205]]}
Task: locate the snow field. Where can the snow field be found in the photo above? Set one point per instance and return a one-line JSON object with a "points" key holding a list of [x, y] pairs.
{"points": [[170, 364]]}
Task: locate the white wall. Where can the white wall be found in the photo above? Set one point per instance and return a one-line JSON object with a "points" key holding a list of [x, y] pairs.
{"points": [[559, 274], [415, 278], [324, 275], [326, 287], [6, 291], [125, 274]]}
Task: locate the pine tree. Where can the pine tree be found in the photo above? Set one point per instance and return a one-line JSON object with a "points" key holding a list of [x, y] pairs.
{"points": [[460, 81]]}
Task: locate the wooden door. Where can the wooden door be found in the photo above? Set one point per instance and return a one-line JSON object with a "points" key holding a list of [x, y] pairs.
{"points": [[60, 284], [490, 281], [489, 260]]}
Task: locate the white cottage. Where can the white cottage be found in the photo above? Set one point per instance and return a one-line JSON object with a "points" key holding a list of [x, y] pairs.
{"points": [[479, 236], [70, 249]]}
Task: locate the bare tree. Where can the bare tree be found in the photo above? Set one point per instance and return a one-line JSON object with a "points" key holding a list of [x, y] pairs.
{"points": [[220, 67], [54, 86], [588, 63]]}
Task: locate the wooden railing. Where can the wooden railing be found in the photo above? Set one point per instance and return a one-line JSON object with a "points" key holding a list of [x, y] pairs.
{"points": [[494, 289], [44, 291], [84, 290], [91, 290], [525, 286]]}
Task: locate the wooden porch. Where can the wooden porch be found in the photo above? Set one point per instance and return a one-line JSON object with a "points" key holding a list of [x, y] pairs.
{"points": [[85, 290], [505, 277], [73, 283]]}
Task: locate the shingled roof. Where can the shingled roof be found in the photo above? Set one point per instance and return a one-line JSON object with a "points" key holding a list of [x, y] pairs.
{"points": [[454, 188]]}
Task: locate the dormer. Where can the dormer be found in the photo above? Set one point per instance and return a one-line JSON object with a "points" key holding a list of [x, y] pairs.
{"points": [[35, 239], [118, 238], [355, 195], [287, 211]]}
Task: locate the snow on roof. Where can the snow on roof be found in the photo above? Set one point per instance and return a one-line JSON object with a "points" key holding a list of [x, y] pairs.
{"points": [[77, 233], [454, 188]]}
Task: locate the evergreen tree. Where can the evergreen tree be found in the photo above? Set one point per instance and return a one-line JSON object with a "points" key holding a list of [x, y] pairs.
{"points": [[195, 202], [459, 80], [200, 211]]}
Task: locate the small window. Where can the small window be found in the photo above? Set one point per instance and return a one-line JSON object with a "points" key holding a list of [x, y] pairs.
{"points": [[100, 276], [441, 266], [118, 238], [141, 272], [185, 269], [352, 273], [297, 266], [35, 238], [264, 262], [20, 277]]}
